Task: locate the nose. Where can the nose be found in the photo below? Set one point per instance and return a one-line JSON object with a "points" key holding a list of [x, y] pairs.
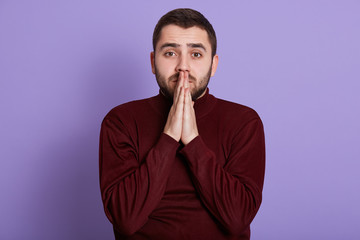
{"points": [[183, 64]]}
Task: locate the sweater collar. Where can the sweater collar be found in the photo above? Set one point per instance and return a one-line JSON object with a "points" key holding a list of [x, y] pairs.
{"points": [[202, 105]]}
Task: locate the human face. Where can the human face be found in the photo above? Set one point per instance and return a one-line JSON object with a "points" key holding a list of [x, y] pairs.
{"points": [[183, 49]]}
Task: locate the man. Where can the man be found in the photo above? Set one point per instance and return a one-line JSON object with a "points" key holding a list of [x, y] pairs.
{"points": [[182, 164]]}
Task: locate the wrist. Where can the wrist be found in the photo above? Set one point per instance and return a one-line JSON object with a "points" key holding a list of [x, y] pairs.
{"points": [[173, 136], [188, 139]]}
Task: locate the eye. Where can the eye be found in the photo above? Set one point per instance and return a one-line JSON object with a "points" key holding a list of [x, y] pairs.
{"points": [[196, 55], [169, 54]]}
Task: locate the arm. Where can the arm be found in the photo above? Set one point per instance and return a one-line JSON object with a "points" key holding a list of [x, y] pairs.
{"points": [[130, 190], [232, 193]]}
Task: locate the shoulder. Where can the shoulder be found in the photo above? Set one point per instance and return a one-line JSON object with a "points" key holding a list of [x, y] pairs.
{"points": [[128, 110], [237, 120], [234, 110]]}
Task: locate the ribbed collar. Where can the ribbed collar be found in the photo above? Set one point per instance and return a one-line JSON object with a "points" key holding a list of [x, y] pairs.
{"points": [[202, 106]]}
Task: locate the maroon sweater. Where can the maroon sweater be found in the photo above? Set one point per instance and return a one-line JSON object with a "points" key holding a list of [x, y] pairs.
{"points": [[156, 188]]}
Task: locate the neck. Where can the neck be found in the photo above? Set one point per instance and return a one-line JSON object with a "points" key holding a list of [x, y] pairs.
{"points": [[201, 95]]}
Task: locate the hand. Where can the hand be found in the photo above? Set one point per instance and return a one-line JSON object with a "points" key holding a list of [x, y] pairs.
{"points": [[173, 126], [189, 126], [181, 122]]}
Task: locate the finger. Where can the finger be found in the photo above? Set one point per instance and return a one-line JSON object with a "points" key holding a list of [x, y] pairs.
{"points": [[189, 99], [178, 86], [181, 78], [179, 108], [186, 79], [187, 102]]}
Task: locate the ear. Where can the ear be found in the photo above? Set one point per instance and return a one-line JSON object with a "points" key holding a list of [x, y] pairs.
{"points": [[214, 64], [152, 59]]}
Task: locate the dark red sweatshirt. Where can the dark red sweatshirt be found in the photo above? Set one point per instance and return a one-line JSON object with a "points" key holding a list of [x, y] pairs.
{"points": [[156, 188]]}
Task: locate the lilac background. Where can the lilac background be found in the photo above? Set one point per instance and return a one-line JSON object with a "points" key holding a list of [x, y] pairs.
{"points": [[65, 64]]}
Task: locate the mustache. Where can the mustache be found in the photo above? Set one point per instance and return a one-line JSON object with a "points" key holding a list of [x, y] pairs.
{"points": [[176, 77]]}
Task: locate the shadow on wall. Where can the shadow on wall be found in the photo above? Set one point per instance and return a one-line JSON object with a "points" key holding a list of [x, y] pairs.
{"points": [[68, 194]]}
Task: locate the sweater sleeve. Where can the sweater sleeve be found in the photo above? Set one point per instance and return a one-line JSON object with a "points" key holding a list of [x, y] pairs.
{"points": [[131, 188], [233, 192]]}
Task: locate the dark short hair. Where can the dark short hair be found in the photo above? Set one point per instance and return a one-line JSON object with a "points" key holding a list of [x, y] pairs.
{"points": [[185, 18]]}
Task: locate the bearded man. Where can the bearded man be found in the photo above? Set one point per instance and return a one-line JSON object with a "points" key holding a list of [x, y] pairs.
{"points": [[182, 164]]}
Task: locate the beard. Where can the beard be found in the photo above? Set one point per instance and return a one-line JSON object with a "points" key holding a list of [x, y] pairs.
{"points": [[196, 92]]}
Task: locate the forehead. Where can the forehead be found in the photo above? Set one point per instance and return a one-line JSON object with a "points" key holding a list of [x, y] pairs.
{"points": [[175, 34]]}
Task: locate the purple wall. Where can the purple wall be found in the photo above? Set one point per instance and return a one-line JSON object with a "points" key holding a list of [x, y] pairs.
{"points": [[65, 64]]}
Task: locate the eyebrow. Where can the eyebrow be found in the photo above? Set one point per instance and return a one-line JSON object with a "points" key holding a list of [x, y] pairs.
{"points": [[176, 45], [196, 45], [173, 45]]}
